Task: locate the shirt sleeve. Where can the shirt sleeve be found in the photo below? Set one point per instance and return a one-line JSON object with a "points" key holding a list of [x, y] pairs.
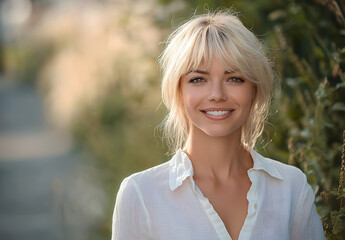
{"points": [[306, 221], [130, 217]]}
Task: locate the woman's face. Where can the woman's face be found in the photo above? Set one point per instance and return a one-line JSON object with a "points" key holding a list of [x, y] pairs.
{"points": [[216, 101]]}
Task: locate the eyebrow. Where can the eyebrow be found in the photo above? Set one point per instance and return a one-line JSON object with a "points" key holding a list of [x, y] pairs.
{"points": [[207, 73]]}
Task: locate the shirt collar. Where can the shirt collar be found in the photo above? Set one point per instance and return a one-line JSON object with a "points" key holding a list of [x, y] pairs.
{"points": [[180, 167], [265, 164]]}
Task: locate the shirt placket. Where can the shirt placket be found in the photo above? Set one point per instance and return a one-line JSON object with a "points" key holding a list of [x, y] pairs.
{"points": [[253, 205]]}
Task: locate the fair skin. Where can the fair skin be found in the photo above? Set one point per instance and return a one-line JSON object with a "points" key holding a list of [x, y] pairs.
{"points": [[217, 103]]}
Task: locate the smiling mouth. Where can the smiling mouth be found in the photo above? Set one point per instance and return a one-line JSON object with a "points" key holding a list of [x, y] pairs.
{"points": [[218, 113]]}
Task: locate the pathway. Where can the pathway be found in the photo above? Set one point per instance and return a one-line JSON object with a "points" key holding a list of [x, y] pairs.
{"points": [[39, 178]]}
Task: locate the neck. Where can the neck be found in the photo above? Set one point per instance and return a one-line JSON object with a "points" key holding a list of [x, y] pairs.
{"points": [[217, 157]]}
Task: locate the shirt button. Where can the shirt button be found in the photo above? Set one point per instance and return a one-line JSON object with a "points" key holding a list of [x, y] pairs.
{"points": [[255, 205]]}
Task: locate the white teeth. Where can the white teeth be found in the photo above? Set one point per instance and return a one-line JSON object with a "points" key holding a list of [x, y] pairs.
{"points": [[217, 113]]}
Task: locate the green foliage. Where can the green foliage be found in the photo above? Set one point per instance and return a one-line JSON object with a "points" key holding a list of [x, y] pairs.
{"points": [[312, 68], [311, 107], [119, 131], [24, 59], [335, 224], [120, 135]]}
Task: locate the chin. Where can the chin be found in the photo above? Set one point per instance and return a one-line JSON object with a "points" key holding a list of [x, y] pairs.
{"points": [[221, 133], [217, 131]]}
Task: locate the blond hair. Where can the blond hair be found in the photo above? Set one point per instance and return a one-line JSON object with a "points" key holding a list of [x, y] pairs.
{"points": [[222, 35]]}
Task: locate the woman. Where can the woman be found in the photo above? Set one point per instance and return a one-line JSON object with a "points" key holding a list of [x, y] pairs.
{"points": [[217, 85]]}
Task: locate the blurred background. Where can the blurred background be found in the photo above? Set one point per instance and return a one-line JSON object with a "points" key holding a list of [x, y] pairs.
{"points": [[80, 104]]}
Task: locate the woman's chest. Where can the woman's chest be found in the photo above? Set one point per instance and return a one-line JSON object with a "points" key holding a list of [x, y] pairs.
{"points": [[187, 214], [231, 204]]}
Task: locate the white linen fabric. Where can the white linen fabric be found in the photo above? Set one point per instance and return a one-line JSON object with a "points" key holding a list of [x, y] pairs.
{"points": [[164, 203]]}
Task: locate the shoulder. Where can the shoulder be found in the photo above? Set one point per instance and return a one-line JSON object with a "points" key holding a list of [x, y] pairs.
{"points": [[289, 178], [151, 174], [276, 169], [290, 182], [288, 172], [138, 187], [294, 184], [131, 217], [146, 180], [288, 186]]}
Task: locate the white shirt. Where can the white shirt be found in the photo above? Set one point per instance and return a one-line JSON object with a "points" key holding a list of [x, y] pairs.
{"points": [[164, 203]]}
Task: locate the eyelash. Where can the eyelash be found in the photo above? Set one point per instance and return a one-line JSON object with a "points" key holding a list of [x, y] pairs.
{"points": [[199, 80], [237, 79], [196, 80]]}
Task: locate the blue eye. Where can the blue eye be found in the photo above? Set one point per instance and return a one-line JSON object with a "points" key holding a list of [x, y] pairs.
{"points": [[196, 80]]}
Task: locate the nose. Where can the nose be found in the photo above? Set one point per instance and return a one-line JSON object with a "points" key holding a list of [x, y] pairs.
{"points": [[217, 92]]}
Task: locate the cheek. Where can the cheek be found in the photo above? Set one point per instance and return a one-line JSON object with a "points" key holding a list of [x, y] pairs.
{"points": [[189, 105], [244, 98], [190, 98]]}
